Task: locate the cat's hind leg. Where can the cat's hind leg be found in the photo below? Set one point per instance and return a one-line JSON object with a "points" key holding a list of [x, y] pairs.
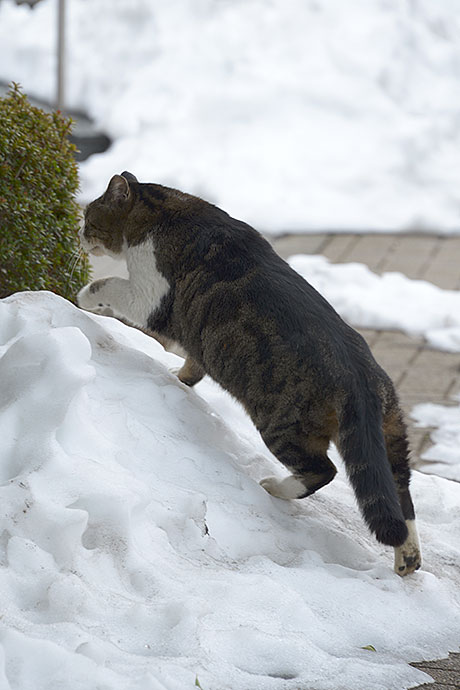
{"points": [[407, 556], [191, 372], [306, 458]]}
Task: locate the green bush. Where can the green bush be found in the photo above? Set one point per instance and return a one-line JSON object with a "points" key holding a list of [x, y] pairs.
{"points": [[39, 217]]}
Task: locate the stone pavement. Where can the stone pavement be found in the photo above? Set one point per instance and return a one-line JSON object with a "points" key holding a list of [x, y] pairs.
{"points": [[420, 374]]}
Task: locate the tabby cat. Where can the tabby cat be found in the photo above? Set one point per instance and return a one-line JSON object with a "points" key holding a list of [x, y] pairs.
{"points": [[213, 288]]}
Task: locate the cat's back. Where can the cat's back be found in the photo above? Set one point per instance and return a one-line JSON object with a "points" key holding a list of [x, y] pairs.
{"points": [[234, 257], [234, 286]]}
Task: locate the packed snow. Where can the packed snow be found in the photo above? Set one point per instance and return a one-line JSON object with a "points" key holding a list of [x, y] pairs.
{"points": [[139, 552], [291, 114]]}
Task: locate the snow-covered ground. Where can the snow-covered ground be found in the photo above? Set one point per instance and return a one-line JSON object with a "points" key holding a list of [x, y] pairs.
{"points": [[138, 551], [290, 114]]}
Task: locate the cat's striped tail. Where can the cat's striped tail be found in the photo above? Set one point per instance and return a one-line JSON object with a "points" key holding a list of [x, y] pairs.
{"points": [[362, 446]]}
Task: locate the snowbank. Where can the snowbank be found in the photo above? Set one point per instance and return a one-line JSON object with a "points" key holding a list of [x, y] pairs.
{"points": [[292, 115], [138, 550]]}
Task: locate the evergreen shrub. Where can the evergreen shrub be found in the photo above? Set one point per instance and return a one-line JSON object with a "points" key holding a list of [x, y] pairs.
{"points": [[39, 217]]}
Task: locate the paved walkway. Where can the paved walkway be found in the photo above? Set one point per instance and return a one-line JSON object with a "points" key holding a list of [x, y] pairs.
{"points": [[420, 374]]}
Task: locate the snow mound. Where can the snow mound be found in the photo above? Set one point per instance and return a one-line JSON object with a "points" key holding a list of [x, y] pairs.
{"points": [[138, 551]]}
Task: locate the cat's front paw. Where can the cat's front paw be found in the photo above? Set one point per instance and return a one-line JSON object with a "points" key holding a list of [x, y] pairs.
{"points": [[89, 298]]}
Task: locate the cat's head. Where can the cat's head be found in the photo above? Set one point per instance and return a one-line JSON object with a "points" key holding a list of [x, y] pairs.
{"points": [[105, 218]]}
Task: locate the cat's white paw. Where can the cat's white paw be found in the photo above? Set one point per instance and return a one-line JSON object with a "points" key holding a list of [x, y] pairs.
{"points": [[287, 488]]}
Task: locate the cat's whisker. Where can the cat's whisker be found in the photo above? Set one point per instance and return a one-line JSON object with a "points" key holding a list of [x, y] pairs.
{"points": [[75, 253], [77, 256], [74, 259]]}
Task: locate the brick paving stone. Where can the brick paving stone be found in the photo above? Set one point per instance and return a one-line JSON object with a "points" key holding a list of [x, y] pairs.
{"points": [[395, 352], [305, 244], [370, 335], [444, 267], [371, 250], [455, 385], [339, 246], [410, 255], [430, 374]]}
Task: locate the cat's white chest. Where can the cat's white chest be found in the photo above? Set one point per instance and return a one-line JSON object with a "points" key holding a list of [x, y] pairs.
{"points": [[148, 285], [134, 299]]}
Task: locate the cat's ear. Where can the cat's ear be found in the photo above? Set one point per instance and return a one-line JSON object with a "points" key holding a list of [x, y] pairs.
{"points": [[118, 190], [129, 176]]}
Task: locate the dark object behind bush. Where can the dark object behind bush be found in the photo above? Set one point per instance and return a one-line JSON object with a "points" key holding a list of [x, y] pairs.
{"points": [[38, 212]]}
